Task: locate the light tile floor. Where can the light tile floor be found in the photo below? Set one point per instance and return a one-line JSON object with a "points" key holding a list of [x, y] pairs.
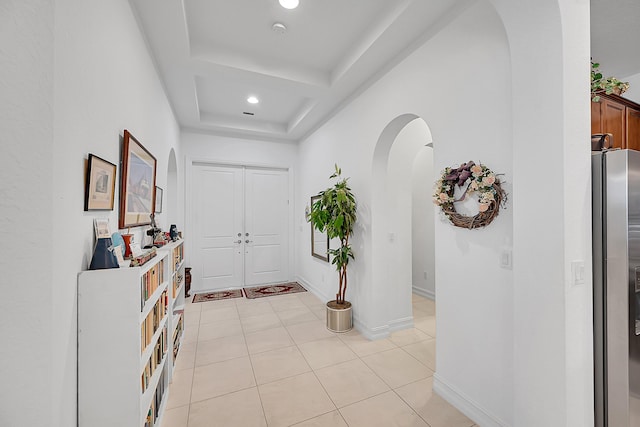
{"points": [[271, 362]]}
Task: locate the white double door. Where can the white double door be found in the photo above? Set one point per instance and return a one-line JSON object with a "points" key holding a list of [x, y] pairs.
{"points": [[241, 221]]}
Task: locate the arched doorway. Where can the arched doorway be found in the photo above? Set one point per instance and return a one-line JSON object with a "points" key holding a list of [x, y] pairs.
{"points": [[401, 146], [171, 194]]}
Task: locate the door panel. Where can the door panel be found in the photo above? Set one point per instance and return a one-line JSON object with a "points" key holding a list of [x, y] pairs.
{"points": [[633, 129], [596, 117], [267, 219], [266, 259], [218, 262], [613, 122], [218, 218]]}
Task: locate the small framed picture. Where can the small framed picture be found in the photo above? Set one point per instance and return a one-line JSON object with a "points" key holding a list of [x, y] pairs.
{"points": [[158, 208], [101, 226], [100, 184]]}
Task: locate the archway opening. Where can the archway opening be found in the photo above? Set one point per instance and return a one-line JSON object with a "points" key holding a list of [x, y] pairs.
{"points": [[402, 219], [171, 194]]}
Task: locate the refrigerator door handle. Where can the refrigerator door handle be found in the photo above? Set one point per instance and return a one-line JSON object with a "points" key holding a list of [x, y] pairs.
{"points": [[635, 304]]}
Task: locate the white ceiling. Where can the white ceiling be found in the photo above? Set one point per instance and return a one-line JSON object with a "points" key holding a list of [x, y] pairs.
{"points": [[213, 54], [615, 36]]}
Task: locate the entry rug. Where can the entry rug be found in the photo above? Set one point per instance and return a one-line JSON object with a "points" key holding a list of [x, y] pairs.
{"points": [[269, 290], [215, 296]]}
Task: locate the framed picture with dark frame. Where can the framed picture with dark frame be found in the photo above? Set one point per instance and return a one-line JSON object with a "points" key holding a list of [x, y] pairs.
{"points": [[100, 184], [137, 183], [319, 240], [159, 192]]}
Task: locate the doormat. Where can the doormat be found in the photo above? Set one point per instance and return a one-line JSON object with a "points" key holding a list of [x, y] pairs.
{"points": [[215, 296], [269, 290]]}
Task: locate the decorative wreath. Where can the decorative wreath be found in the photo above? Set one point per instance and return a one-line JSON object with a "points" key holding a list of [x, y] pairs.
{"points": [[478, 178]]}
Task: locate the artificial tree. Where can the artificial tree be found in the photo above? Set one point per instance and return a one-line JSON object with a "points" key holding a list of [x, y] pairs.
{"points": [[335, 214]]}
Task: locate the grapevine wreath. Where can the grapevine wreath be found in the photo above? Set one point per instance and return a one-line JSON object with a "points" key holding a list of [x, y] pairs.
{"points": [[481, 180]]}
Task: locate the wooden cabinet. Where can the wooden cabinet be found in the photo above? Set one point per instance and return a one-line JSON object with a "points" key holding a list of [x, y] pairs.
{"points": [[633, 129], [613, 121], [619, 117], [596, 117]]}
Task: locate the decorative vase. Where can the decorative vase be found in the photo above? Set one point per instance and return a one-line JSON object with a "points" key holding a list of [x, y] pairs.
{"points": [[187, 281], [128, 238], [173, 232], [339, 317], [103, 256]]}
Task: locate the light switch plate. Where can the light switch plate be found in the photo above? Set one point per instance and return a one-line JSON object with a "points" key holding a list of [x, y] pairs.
{"points": [[506, 259], [577, 272]]}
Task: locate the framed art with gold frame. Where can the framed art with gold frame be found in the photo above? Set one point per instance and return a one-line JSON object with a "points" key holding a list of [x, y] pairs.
{"points": [[137, 183]]}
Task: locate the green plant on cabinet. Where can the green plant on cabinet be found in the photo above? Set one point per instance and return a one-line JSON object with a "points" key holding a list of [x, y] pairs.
{"points": [[607, 85]]}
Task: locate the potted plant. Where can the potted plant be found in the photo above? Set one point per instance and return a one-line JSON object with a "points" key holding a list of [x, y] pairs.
{"points": [[606, 85], [335, 214]]}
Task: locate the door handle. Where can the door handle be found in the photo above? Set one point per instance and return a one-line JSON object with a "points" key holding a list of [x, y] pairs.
{"points": [[238, 241], [248, 241]]}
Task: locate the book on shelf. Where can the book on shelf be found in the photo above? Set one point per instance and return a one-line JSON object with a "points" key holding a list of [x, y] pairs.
{"points": [[153, 412], [155, 359], [150, 281], [152, 322], [177, 334]]}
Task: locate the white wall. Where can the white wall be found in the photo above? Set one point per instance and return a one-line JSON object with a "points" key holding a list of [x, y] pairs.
{"points": [[105, 82], [82, 77], [423, 221], [551, 228], [467, 120], [200, 146], [26, 189]]}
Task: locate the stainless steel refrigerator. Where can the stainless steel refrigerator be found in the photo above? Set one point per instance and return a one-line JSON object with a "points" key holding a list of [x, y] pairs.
{"points": [[616, 291]]}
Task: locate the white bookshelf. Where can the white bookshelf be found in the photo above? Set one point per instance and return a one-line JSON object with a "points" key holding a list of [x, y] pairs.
{"points": [[175, 253], [111, 357]]}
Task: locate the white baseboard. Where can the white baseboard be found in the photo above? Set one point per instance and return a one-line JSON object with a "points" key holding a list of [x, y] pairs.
{"points": [[309, 287], [424, 293], [383, 331], [371, 333], [400, 324], [465, 405], [376, 333]]}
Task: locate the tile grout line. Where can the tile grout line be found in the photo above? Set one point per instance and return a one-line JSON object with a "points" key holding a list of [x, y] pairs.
{"points": [[193, 371], [253, 371], [321, 385], [305, 358], [409, 405], [312, 371]]}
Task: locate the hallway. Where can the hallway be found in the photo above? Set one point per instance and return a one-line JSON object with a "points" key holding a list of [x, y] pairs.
{"points": [[272, 362]]}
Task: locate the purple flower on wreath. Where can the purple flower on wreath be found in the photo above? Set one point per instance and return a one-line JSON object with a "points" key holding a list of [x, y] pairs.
{"points": [[461, 174]]}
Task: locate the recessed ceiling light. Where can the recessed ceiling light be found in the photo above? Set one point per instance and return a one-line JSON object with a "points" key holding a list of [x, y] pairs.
{"points": [[252, 100], [289, 4], [279, 28]]}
